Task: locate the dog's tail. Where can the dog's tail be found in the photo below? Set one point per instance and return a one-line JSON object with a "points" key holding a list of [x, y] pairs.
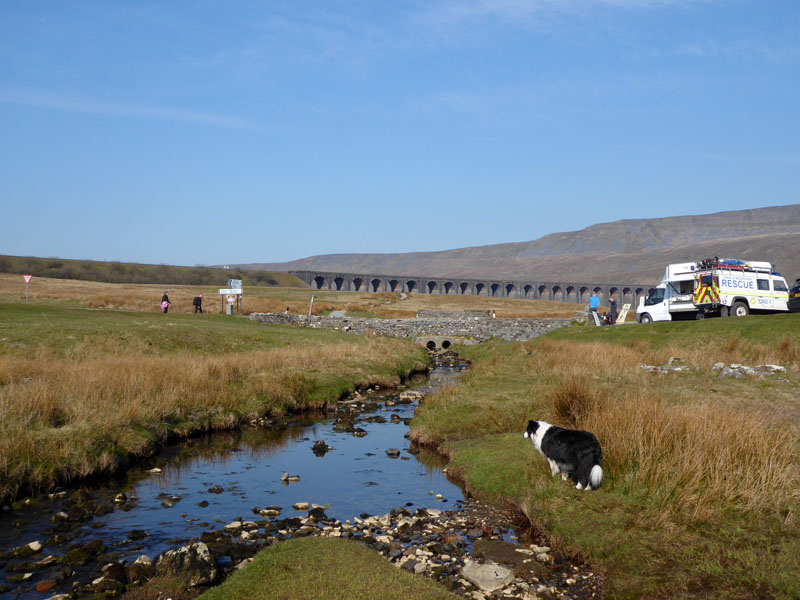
{"points": [[596, 476]]}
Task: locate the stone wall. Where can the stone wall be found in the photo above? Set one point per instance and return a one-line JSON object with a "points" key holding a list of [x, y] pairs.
{"points": [[479, 329], [432, 313]]}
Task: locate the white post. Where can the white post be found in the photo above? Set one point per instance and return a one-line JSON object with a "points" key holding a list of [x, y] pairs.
{"points": [[311, 306]]}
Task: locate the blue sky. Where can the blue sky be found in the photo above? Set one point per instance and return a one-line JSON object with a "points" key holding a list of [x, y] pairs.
{"points": [[210, 132]]}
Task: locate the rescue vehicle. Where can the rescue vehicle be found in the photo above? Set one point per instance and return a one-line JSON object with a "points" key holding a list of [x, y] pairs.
{"points": [[714, 287], [737, 288]]}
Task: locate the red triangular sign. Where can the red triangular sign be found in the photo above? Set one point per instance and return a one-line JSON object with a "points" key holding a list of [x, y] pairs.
{"points": [[27, 278]]}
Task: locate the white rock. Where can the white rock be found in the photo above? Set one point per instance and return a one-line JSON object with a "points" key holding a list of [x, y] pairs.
{"points": [[543, 557], [300, 505], [488, 577]]}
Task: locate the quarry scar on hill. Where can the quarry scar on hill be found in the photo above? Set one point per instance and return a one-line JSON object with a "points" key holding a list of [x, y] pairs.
{"points": [[559, 291]]}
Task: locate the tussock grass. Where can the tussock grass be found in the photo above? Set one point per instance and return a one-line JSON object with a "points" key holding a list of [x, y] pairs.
{"points": [[691, 456]]}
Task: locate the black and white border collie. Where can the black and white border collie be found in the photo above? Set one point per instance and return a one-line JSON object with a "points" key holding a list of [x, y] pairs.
{"points": [[574, 454]]}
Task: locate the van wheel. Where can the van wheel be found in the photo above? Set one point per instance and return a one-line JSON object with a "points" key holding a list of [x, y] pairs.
{"points": [[645, 318], [700, 315], [739, 309], [723, 311]]}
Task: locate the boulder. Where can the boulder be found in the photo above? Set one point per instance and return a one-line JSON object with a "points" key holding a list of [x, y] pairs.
{"points": [[140, 570], [192, 563], [320, 448], [488, 577]]}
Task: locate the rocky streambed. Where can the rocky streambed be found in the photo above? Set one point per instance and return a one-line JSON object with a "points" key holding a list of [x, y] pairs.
{"points": [[205, 507]]}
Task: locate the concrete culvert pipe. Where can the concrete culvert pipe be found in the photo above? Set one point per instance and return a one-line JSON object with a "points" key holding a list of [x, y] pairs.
{"points": [[431, 345], [446, 344]]}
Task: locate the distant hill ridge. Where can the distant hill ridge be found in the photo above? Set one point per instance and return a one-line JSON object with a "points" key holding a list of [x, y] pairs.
{"points": [[629, 250]]}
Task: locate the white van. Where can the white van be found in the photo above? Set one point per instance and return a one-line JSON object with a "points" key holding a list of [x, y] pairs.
{"points": [[670, 300]]}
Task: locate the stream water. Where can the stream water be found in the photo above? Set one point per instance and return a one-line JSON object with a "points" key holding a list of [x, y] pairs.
{"points": [[209, 481]]}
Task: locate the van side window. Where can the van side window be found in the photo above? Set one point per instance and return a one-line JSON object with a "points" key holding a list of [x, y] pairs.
{"points": [[655, 297], [763, 284], [779, 286]]}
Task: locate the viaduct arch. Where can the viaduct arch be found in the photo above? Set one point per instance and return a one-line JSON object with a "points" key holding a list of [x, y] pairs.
{"points": [[528, 289]]}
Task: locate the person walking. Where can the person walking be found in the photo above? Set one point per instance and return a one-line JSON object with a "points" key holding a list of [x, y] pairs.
{"points": [[165, 303], [612, 313], [197, 302]]}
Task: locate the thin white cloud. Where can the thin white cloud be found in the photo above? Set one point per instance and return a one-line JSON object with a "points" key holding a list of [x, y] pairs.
{"points": [[453, 13], [745, 44], [115, 109]]}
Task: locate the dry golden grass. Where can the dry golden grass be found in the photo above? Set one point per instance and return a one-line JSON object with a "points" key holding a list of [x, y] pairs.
{"points": [[673, 436], [66, 414]]}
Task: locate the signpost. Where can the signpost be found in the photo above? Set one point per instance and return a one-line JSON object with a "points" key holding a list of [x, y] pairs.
{"points": [[27, 279], [233, 295]]}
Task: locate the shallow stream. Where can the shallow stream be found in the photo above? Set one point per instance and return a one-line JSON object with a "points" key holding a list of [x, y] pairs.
{"points": [[209, 481]]}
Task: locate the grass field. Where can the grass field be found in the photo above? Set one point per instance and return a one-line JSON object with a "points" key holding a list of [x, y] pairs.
{"points": [[84, 391], [701, 495], [147, 297]]}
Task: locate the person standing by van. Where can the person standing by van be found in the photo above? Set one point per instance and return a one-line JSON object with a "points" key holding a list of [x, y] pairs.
{"points": [[612, 313], [594, 302]]}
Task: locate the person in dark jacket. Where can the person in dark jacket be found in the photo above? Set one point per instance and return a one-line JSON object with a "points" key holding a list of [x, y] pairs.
{"points": [[612, 313], [165, 303], [198, 304]]}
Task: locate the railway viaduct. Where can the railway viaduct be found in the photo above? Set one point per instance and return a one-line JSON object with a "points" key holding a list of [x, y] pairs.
{"points": [[560, 291]]}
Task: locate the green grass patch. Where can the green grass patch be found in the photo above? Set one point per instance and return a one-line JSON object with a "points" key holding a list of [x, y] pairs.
{"points": [[762, 329], [26, 329], [324, 569]]}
